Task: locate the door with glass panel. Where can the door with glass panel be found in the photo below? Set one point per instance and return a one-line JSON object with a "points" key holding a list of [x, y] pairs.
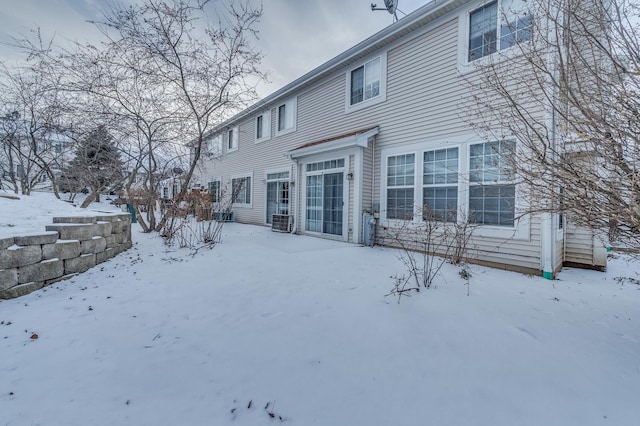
{"points": [[325, 197], [277, 194]]}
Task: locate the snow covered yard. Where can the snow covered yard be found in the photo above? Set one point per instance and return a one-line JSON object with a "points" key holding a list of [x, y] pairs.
{"points": [[271, 328]]}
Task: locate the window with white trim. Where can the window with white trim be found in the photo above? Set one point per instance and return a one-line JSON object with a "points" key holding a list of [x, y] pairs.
{"points": [[286, 117], [214, 146], [232, 139], [492, 193], [366, 80], [277, 194], [498, 25], [241, 190], [440, 184], [400, 186], [263, 126], [214, 190]]}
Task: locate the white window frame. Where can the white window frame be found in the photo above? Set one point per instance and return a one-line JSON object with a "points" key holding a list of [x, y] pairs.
{"points": [[412, 186], [251, 186], [291, 107], [267, 180], [381, 97], [464, 30], [214, 146], [266, 126], [437, 185], [232, 139], [217, 196]]}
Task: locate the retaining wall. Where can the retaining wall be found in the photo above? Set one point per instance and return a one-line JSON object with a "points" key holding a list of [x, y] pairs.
{"points": [[68, 247]]}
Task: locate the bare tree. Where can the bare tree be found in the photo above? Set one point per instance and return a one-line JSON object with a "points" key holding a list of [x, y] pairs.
{"points": [[165, 53], [32, 97], [572, 109]]}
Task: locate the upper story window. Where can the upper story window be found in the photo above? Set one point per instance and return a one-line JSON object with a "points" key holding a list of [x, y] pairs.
{"points": [[286, 117], [498, 25], [232, 139], [365, 81], [214, 145], [263, 126], [366, 84]]}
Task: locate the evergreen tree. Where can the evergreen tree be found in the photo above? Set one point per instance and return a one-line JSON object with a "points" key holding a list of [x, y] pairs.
{"points": [[97, 164]]}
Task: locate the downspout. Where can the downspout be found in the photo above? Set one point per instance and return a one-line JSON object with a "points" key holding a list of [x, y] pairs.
{"points": [[296, 196]]}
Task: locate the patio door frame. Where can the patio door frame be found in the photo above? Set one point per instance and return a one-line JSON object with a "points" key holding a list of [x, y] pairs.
{"points": [[345, 193]]}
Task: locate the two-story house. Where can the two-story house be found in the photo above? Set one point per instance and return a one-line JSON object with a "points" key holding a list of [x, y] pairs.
{"points": [[384, 128]]}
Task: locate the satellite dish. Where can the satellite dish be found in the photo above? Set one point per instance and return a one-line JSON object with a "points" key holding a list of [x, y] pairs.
{"points": [[390, 6], [177, 171]]}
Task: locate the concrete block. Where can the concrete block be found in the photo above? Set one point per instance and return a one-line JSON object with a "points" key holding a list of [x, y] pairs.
{"points": [[75, 219], [36, 239], [118, 227], [19, 256], [125, 217], [62, 278], [107, 218], [70, 231], [79, 264], [6, 242], [105, 255], [47, 270], [94, 245], [21, 290], [111, 240], [61, 249], [8, 278], [103, 228]]}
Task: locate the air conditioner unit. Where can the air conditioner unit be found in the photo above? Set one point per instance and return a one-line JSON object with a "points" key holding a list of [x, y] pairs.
{"points": [[281, 223]]}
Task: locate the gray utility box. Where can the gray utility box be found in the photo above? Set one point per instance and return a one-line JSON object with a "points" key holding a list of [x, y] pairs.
{"points": [[368, 229]]}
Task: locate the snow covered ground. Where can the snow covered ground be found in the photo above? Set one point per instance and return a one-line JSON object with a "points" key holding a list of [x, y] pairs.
{"points": [[271, 328]]}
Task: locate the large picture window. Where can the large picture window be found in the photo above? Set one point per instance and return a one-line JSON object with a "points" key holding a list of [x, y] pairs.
{"points": [[400, 186], [498, 25], [492, 194], [241, 188], [440, 184]]}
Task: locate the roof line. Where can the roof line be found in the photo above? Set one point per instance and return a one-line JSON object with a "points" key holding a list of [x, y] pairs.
{"points": [[337, 61]]}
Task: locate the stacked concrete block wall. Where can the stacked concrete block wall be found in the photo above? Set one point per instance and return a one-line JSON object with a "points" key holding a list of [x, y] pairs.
{"points": [[71, 245]]}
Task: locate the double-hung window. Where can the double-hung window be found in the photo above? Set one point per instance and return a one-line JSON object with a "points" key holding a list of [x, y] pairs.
{"points": [[492, 193], [263, 126], [286, 119], [232, 139], [440, 184], [400, 186], [498, 25], [241, 190]]}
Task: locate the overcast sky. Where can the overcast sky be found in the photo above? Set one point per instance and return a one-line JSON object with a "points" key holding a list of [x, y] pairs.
{"points": [[295, 35]]}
